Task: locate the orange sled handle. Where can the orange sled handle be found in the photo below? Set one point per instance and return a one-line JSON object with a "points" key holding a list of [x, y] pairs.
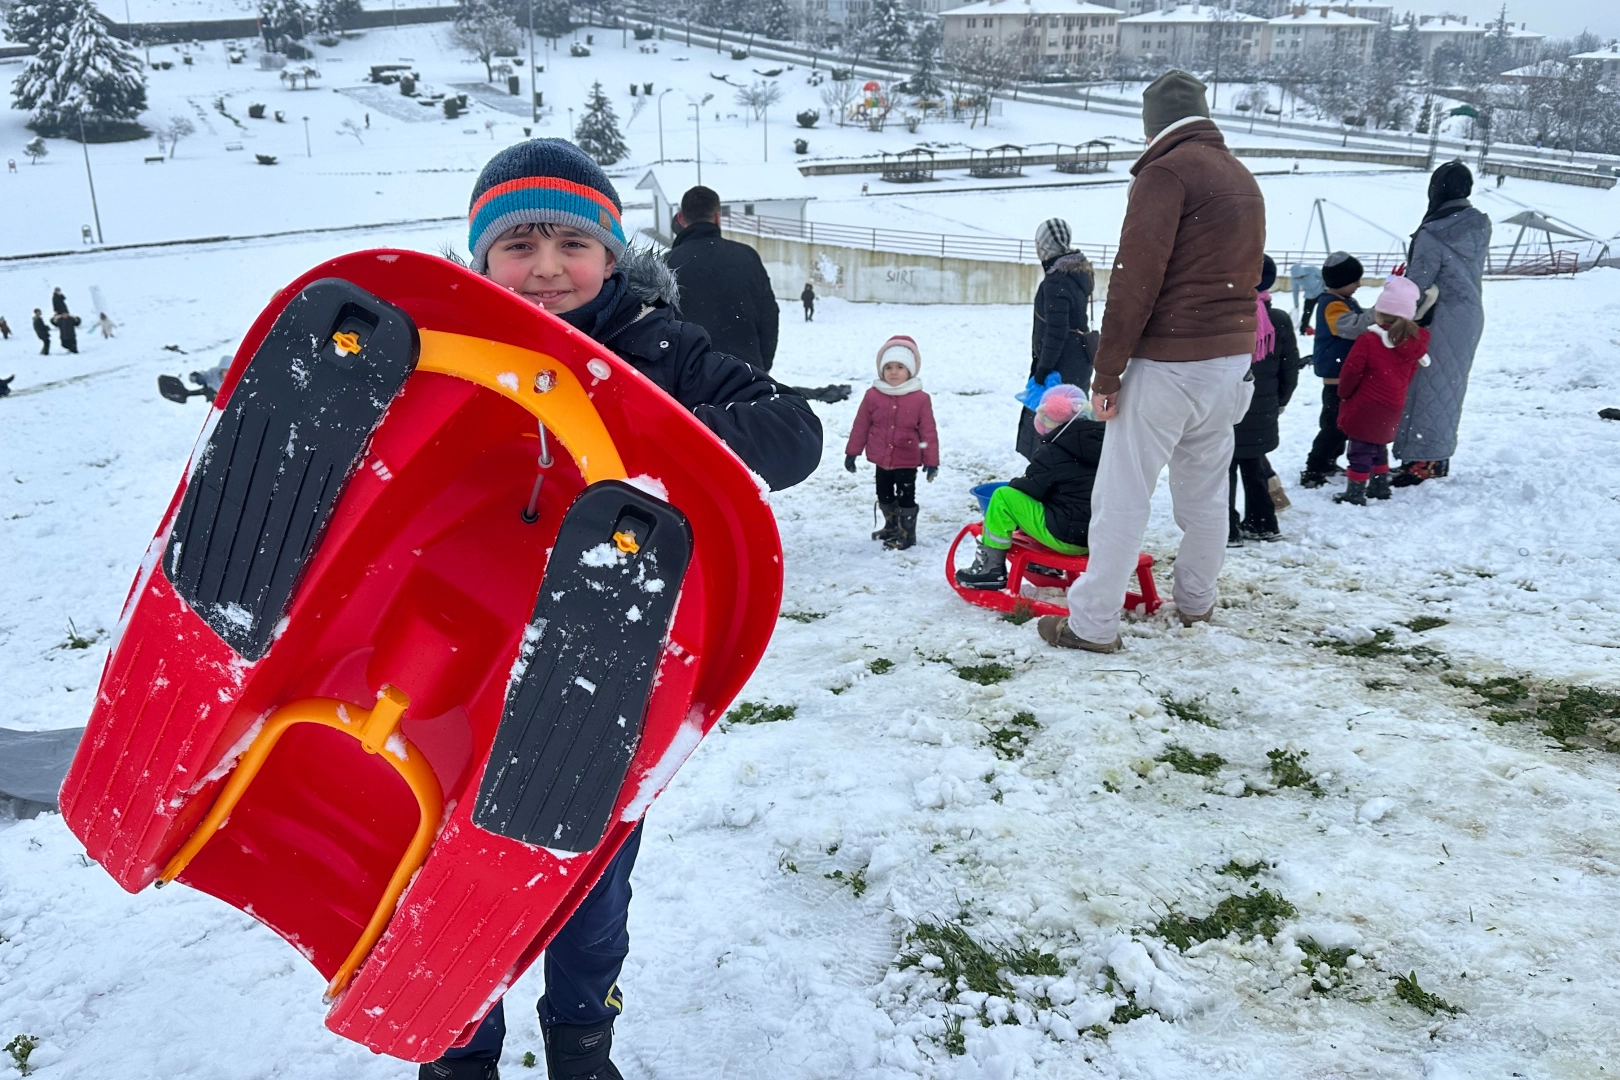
{"points": [[378, 731]]}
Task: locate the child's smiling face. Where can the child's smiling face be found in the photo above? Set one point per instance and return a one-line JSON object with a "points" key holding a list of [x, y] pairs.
{"points": [[895, 373], [552, 266]]}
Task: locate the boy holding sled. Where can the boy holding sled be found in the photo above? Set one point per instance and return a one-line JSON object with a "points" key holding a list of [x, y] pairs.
{"points": [[545, 222]]}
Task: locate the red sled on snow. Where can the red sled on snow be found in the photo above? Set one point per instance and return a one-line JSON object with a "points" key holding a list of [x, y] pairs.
{"points": [[1028, 561], [447, 595]]}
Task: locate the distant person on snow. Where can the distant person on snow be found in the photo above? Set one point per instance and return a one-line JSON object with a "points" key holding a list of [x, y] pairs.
{"points": [[1171, 373], [545, 222], [5, 329], [106, 325], [1373, 385], [1051, 502], [808, 299], [724, 286], [894, 427], [67, 327], [58, 302], [1276, 373], [1060, 350], [43, 332], [1339, 321]]}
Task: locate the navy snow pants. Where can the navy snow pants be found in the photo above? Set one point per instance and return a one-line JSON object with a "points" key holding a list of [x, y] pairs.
{"points": [[582, 963]]}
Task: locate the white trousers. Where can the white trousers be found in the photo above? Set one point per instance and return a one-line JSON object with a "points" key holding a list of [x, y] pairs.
{"points": [[1180, 415]]}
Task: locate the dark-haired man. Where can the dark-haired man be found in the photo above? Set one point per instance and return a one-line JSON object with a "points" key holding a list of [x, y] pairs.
{"points": [[724, 286]]}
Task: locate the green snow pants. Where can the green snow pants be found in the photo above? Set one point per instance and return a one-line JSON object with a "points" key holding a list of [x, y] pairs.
{"points": [[1011, 509]]}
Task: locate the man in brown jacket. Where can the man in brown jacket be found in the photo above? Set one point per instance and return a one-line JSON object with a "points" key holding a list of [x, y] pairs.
{"points": [[1171, 373]]}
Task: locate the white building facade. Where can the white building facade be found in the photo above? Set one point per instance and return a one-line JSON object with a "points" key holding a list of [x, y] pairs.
{"points": [[1306, 30], [1188, 33], [1057, 33]]}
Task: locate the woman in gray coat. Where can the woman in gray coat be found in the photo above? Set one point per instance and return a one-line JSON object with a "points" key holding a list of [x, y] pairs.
{"points": [[1446, 261]]}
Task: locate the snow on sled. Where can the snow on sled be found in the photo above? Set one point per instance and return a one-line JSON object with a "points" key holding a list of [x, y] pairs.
{"points": [[1033, 563], [447, 595]]}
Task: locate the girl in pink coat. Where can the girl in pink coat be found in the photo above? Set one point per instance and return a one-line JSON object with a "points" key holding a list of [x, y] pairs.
{"points": [[895, 427]]}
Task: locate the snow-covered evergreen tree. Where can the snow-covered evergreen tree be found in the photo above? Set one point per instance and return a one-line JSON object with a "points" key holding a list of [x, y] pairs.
{"points": [[33, 21], [888, 30], [80, 71], [924, 50], [332, 16], [598, 130], [486, 31], [776, 20], [281, 21]]}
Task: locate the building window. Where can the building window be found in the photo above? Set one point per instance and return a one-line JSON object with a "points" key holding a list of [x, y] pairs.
{"points": [[973, 24]]}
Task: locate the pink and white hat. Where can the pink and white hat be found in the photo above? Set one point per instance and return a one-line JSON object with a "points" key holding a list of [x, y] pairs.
{"points": [[901, 350], [1399, 298]]}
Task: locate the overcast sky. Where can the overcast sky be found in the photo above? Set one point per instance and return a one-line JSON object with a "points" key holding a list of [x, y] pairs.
{"points": [[1555, 18]]}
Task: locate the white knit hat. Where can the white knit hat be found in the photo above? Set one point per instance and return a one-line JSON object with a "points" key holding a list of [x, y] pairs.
{"points": [[901, 350]]}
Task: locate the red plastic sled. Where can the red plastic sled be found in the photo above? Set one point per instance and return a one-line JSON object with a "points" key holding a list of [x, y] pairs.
{"points": [[323, 760], [1026, 550]]}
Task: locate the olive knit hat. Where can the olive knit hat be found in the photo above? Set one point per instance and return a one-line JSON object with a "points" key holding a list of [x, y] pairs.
{"points": [[543, 181], [1173, 96]]}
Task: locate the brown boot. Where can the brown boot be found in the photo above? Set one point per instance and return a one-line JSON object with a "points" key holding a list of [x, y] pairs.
{"points": [[1055, 630], [1189, 620]]}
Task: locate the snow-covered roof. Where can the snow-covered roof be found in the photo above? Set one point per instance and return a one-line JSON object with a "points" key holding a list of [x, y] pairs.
{"points": [[1611, 53], [1031, 7], [1323, 17], [1192, 13], [1442, 28]]}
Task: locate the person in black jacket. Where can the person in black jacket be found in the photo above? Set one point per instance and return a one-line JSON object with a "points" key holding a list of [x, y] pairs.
{"points": [[545, 222], [43, 332], [58, 301], [808, 299], [67, 326], [1051, 502], [1058, 343], [1276, 373], [724, 286]]}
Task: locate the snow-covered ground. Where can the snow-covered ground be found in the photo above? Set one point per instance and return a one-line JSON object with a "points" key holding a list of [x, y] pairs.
{"points": [[1480, 857]]}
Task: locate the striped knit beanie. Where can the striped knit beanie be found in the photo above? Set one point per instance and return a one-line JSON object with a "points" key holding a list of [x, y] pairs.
{"points": [[1051, 239], [543, 181]]}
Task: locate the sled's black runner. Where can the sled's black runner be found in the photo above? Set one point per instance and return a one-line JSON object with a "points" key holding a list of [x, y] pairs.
{"points": [[290, 435], [574, 718]]}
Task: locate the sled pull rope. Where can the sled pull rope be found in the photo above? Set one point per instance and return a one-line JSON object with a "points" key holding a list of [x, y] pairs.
{"points": [[378, 732], [531, 513]]}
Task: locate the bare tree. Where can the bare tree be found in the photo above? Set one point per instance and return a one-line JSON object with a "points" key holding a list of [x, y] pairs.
{"points": [[985, 68], [175, 130], [838, 95], [349, 127], [759, 96], [485, 31]]}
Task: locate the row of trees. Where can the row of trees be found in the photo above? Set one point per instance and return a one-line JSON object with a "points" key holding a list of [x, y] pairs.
{"points": [[283, 22], [80, 77]]}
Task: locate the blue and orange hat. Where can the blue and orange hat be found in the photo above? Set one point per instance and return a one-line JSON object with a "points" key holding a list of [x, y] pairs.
{"points": [[543, 181]]}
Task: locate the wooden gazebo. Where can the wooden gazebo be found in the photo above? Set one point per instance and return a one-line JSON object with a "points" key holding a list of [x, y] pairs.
{"points": [[914, 166], [1089, 157], [996, 162]]}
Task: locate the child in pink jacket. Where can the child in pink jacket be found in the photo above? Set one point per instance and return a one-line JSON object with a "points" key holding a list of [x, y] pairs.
{"points": [[895, 427]]}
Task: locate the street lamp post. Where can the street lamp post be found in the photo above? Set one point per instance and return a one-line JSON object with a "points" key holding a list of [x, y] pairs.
{"points": [[534, 81], [308, 151], [697, 118], [661, 124], [84, 144]]}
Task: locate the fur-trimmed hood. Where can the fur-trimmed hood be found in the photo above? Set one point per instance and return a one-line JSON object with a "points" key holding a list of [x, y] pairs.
{"points": [[649, 277]]}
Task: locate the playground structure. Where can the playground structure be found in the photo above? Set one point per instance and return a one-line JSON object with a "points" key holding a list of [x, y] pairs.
{"points": [[997, 162], [1087, 157]]}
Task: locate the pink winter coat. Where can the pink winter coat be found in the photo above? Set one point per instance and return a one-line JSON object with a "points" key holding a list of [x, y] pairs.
{"points": [[895, 430]]}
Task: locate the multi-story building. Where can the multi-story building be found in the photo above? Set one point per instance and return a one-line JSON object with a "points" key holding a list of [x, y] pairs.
{"points": [[1606, 60], [1304, 30], [1057, 33], [1454, 32], [1188, 33]]}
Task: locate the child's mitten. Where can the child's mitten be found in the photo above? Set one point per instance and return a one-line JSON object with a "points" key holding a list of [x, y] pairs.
{"points": [[849, 462], [931, 471]]}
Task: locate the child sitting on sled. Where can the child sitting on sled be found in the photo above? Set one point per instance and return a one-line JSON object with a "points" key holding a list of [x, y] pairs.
{"points": [[545, 223], [895, 427], [1051, 502], [1372, 388]]}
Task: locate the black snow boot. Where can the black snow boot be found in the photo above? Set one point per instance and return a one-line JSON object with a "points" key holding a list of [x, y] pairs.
{"points": [[461, 1069], [1378, 486], [891, 521], [1312, 478], [580, 1053], [905, 531], [1355, 492], [989, 570]]}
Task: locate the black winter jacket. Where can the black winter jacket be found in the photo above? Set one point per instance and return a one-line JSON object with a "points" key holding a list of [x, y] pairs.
{"points": [[724, 289], [41, 331], [769, 426], [1058, 342], [1275, 378], [1061, 474]]}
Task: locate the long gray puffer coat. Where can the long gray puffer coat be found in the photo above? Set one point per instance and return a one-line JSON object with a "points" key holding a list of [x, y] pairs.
{"points": [[1448, 252]]}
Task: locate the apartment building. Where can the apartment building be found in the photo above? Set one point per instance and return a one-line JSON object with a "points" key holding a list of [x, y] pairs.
{"points": [[1058, 32], [1438, 31], [1304, 30], [1606, 60], [1186, 33]]}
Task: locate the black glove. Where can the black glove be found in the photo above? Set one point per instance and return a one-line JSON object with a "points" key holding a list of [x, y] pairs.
{"points": [[931, 472], [849, 462]]}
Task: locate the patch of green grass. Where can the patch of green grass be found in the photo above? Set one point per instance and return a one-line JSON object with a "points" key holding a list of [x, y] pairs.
{"points": [[1020, 614], [1287, 771], [1424, 623], [1183, 760], [1012, 739], [1502, 690], [966, 960], [1382, 645], [1328, 968], [1576, 716], [803, 616], [856, 880], [1255, 912], [20, 1048], [985, 674], [880, 666], [1124, 1014], [1408, 990], [955, 1041], [529, 1060], [76, 640], [1192, 712], [1242, 870], [757, 712]]}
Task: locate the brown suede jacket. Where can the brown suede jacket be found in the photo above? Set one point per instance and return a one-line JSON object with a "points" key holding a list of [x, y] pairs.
{"points": [[1183, 285]]}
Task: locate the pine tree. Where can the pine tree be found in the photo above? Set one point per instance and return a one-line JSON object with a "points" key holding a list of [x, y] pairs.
{"points": [[598, 130], [281, 21], [889, 30], [332, 16], [925, 83], [81, 72], [32, 22], [776, 20]]}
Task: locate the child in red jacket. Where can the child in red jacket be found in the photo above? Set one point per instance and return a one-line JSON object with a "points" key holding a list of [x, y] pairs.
{"points": [[895, 427], [1372, 389]]}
